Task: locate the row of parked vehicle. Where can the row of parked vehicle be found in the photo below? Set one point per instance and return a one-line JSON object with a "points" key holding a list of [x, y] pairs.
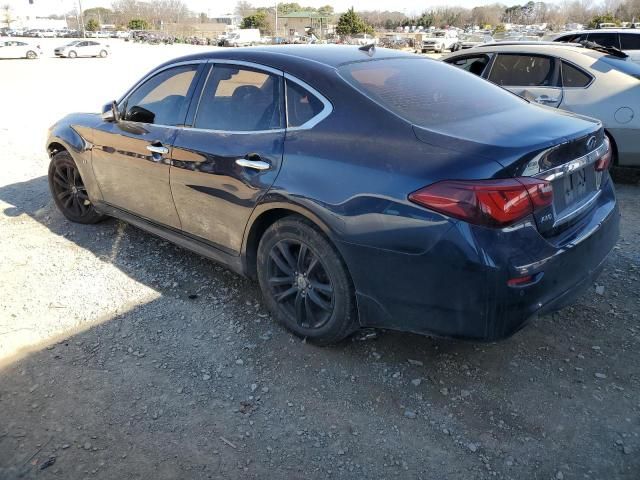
{"points": [[76, 48]]}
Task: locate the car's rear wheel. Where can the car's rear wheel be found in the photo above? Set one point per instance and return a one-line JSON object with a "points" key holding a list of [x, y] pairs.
{"points": [[31, 54], [69, 192], [72, 54], [305, 283], [103, 53]]}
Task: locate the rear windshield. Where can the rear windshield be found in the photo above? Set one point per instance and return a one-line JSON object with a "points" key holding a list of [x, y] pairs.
{"points": [[427, 92]]}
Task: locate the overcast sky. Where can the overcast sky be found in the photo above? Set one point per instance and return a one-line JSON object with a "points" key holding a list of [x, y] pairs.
{"points": [[217, 7]]}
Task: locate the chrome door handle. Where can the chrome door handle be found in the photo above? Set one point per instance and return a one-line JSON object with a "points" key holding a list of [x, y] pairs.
{"points": [[546, 99], [255, 164], [158, 149]]}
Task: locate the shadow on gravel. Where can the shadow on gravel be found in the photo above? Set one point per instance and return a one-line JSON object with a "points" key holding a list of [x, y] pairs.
{"points": [[200, 383]]}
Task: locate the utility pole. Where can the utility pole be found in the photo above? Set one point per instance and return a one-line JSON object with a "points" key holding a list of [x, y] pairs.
{"points": [[81, 19], [276, 18]]}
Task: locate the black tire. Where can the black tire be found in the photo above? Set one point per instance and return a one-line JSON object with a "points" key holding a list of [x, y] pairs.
{"points": [[311, 296], [72, 54], [103, 53], [31, 55], [68, 190]]}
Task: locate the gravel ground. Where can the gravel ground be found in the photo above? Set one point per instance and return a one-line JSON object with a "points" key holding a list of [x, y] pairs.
{"points": [[122, 356]]}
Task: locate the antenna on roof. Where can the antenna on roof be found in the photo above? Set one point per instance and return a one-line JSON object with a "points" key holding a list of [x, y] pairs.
{"points": [[369, 49]]}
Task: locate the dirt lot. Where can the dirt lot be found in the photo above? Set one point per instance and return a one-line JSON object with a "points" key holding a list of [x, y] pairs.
{"points": [[122, 356]]}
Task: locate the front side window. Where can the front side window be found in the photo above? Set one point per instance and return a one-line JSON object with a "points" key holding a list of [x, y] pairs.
{"points": [[605, 39], [162, 99], [524, 71], [574, 77], [473, 64], [240, 99], [302, 106]]}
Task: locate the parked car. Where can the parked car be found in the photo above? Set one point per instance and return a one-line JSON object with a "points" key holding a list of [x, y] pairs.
{"points": [[243, 37], [440, 40], [470, 41], [83, 48], [625, 39], [570, 77], [363, 196], [18, 49]]}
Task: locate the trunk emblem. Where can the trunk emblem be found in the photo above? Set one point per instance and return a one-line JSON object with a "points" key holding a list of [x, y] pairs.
{"points": [[591, 143]]}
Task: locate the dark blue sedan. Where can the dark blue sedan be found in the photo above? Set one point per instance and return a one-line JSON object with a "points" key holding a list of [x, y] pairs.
{"points": [[362, 187]]}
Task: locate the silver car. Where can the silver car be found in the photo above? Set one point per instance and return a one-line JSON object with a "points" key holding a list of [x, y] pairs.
{"points": [[570, 77], [83, 48]]}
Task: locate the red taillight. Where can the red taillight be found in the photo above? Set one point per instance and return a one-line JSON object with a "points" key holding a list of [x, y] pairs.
{"points": [[519, 281], [486, 202], [604, 161]]}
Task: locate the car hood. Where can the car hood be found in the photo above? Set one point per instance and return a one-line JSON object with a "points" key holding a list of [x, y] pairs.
{"points": [[514, 137]]}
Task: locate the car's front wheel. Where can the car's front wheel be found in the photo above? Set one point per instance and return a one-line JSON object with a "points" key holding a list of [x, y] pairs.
{"points": [[72, 54], [305, 283], [69, 192], [31, 54], [103, 53]]}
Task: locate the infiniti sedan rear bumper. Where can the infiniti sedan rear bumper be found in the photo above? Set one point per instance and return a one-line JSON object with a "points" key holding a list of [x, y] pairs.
{"points": [[459, 287]]}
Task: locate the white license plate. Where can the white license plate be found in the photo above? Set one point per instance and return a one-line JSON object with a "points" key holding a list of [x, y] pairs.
{"points": [[575, 186]]}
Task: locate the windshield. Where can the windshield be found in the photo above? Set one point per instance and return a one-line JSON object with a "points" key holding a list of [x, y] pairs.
{"points": [[438, 34], [71, 44], [474, 38], [449, 95]]}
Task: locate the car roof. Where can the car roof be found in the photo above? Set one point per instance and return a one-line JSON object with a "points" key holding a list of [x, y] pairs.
{"points": [[548, 47], [601, 30], [280, 55]]}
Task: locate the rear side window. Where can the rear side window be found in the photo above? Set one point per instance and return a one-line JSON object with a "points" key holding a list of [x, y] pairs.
{"points": [[302, 106], [574, 77], [426, 92], [630, 41], [605, 39], [524, 71], [241, 100]]}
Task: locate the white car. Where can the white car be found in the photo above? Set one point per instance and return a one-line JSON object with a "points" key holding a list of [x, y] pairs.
{"points": [[440, 41], [18, 49], [83, 48]]}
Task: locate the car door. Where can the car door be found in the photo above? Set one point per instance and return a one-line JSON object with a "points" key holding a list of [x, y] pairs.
{"points": [[606, 39], [531, 76], [630, 44], [224, 164], [10, 50], [131, 157]]}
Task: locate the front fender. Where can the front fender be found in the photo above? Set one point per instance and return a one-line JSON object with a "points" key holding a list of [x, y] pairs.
{"points": [[73, 134]]}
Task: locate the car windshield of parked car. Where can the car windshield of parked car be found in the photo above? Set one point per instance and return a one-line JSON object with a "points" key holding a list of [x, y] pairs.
{"points": [[426, 92], [73, 44]]}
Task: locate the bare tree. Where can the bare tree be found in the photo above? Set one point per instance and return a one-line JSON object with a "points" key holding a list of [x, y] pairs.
{"points": [[7, 15]]}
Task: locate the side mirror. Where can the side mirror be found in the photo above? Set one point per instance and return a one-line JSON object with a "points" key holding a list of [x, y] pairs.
{"points": [[110, 112]]}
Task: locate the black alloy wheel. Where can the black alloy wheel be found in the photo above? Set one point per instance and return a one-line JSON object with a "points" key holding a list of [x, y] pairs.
{"points": [[305, 283], [300, 283], [69, 192]]}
